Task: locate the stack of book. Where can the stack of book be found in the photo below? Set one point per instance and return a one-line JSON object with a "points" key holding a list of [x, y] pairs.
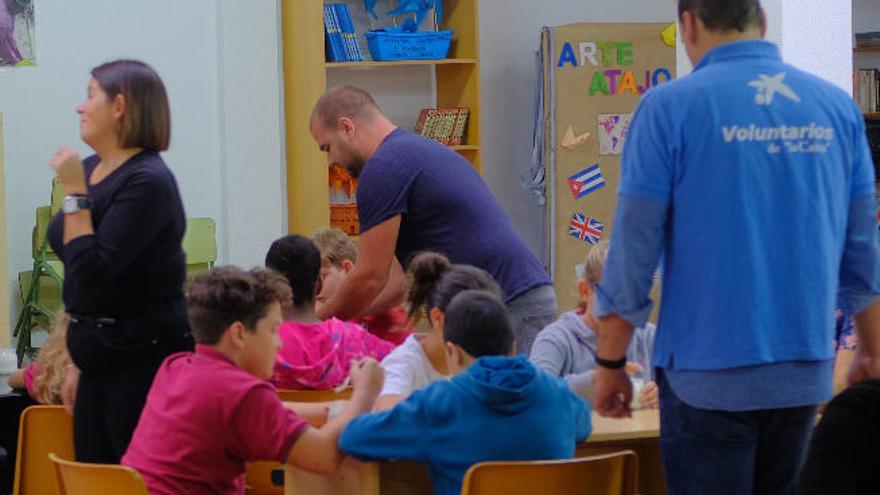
{"points": [[865, 89], [444, 125], [340, 39]]}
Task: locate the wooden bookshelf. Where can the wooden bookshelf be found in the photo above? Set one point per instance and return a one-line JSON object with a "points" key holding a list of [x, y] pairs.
{"points": [[872, 116], [456, 79], [870, 49]]}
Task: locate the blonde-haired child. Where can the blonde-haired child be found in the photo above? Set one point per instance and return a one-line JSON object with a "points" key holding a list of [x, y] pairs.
{"points": [[338, 256], [44, 377], [567, 347]]}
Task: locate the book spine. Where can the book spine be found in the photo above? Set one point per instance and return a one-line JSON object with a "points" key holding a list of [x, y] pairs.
{"points": [[343, 32]]}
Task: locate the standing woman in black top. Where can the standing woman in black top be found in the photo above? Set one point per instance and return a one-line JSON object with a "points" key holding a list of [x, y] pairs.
{"points": [[119, 235]]}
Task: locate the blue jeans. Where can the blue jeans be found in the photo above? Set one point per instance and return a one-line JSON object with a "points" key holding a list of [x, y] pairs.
{"points": [[736, 453]]}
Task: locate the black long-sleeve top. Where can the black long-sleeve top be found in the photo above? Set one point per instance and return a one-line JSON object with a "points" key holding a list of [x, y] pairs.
{"points": [[134, 261]]}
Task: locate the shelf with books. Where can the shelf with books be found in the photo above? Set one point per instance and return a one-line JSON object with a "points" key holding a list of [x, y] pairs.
{"points": [[872, 115], [866, 49], [397, 63], [454, 82]]}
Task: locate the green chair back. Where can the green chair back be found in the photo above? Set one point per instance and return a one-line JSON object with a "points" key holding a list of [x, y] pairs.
{"points": [[200, 244]]}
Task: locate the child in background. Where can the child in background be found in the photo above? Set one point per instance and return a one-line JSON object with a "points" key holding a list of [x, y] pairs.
{"points": [[44, 377], [212, 411], [421, 359], [338, 256], [567, 347], [496, 408], [316, 354]]}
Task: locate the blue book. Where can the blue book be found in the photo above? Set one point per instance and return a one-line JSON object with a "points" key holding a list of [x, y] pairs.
{"points": [[337, 16]]}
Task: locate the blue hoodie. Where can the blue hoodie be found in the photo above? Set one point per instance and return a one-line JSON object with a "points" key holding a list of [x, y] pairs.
{"points": [[499, 409]]}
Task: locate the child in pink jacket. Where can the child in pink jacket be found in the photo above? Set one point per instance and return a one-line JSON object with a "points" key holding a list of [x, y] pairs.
{"points": [[315, 354]]}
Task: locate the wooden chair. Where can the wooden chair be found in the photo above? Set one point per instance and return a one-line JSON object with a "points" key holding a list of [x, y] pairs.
{"points": [[262, 477], [610, 474], [79, 478], [42, 430]]}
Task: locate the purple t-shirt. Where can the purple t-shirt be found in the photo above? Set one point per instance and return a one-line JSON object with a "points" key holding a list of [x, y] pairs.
{"points": [[445, 207]]}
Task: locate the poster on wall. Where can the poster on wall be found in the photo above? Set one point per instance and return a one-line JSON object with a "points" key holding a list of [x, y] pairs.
{"points": [[17, 33], [594, 75]]}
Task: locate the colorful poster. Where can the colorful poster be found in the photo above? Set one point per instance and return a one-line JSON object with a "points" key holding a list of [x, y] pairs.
{"points": [[612, 132], [17, 33]]}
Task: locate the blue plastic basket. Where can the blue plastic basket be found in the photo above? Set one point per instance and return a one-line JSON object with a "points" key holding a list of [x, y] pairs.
{"points": [[392, 45]]}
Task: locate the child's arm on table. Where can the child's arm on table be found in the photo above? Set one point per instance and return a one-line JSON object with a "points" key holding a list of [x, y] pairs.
{"points": [[316, 449]]}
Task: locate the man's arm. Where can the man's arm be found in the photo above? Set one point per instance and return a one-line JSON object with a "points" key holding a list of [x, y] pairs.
{"points": [[369, 275], [392, 294], [866, 363]]}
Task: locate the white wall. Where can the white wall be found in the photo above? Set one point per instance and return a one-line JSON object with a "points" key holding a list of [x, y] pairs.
{"points": [[509, 36], [220, 63], [816, 38]]}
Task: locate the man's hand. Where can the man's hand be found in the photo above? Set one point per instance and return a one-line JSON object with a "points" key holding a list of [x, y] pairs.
{"points": [[612, 393]]}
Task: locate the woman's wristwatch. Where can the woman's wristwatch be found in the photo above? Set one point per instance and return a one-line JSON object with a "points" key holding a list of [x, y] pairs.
{"points": [[75, 203]]}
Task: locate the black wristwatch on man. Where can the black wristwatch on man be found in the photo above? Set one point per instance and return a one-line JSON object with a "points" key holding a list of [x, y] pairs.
{"points": [[611, 364]]}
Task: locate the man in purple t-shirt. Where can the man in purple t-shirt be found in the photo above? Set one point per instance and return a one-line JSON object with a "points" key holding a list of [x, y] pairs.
{"points": [[414, 195]]}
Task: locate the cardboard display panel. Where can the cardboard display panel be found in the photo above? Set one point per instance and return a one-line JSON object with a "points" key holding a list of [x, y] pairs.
{"points": [[595, 74]]}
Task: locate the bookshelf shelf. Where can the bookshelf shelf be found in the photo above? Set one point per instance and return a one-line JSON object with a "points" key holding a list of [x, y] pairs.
{"points": [[398, 63], [456, 83], [872, 116], [866, 49]]}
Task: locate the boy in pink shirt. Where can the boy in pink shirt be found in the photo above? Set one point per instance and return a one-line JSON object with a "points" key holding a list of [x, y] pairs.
{"points": [[316, 354], [210, 412]]}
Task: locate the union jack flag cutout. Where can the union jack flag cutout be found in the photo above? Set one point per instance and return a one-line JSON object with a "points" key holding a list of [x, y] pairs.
{"points": [[585, 228], [586, 181]]}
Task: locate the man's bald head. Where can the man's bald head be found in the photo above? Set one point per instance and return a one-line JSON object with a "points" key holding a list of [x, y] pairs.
{"points": [[344, 101]]}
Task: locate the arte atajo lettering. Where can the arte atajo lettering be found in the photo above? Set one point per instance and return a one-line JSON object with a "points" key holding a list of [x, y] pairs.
{"points": [[606, 56]]}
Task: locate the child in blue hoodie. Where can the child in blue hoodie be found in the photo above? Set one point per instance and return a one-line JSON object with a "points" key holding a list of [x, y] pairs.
{"points": [[496, 408]]}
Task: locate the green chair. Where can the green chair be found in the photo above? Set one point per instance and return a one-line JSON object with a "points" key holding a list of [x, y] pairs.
{"points": [[200, 245], [40, 287]]}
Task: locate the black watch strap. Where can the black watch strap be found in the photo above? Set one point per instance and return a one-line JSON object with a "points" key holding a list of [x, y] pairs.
{"points": [[612, 365]]}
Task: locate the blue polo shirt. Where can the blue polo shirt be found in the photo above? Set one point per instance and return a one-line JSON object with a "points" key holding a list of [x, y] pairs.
{"points": [[754, 181]]}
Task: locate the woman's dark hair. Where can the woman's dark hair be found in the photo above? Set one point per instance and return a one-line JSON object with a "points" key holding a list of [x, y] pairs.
{"points": [[218, 298], [434, 281], [299, 259], [477, 321], [724, 15], [146, 122]]}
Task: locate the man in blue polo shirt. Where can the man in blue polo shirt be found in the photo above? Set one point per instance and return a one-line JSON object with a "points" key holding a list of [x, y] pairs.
{"points": [[754, 182], [415, 194]]}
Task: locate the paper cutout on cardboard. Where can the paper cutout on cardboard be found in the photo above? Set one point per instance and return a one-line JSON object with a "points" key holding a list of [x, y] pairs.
{"points": [[669, 35], [586, 181], [612, 132], [585, 228], [570, 141]]}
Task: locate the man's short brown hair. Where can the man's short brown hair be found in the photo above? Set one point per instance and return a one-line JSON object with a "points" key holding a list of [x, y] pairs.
{"points": [[218, 298], [335, 245], [146, 122]]}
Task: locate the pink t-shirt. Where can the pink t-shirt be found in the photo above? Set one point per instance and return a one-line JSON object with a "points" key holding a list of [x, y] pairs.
{"points": [[318, 355], [204, 420]]}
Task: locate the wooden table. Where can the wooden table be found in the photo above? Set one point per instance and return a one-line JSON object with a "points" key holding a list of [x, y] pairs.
{"points": [[641, 433]]}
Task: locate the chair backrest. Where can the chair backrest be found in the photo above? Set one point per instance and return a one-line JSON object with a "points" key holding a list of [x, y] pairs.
{"points": [[57, 195], [313, 395], [610, 474], [200, 241], [42, 429], [79, 478]]}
